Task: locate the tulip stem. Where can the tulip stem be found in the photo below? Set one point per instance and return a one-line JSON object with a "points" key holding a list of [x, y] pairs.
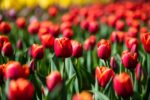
{"points": [[148, 64]]}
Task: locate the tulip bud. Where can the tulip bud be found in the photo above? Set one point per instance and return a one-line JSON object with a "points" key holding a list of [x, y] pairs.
{"points": [[5, 28], [19, 44], [103, 75], [120, 25], [62, 47], [117, 36], [122, 85], [139, 72], [3, 39], [90, 43], [113, 63], [104, 49], [37, 51], [47, 40], [52, 11], [21, 22], [32, 65], [130, 42], [129, 59], [132, 32], [76, 49], [84, 95], [20, 89], [13, 70], [143, 30], [93, 27], [54, 30], [53, 80], [33, 28], [145, 39], [65, 25], [26, 71], [67, 33], [84, 24], [7, 49], [112, 20], [66, 18]]}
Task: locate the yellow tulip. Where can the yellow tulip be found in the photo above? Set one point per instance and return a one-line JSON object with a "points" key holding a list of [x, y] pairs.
{"points": [[45, 3]]}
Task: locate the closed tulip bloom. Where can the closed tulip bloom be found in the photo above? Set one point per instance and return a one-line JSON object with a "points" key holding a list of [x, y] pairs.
{"points": [[84, 95], [7, 49], [84, 24], [20, 89], [33, 27], [67, 18], [145, 39], [89, 43], [65, 25], [130, 42], [53, 80], [132, 32], [122, 85], [143, 30], [62, 47], [19, 44], [93, 27], [120, 25], [139, 72], [5, 28], [3, 39], [129, 59], [54, 30], [113, 63], [77, 48], [117, 36], [67, 33], [47, 40], [112, 20], [104, 49], [37, 51], [103, 75], [21, 22], [52, 11], [13, 70]]}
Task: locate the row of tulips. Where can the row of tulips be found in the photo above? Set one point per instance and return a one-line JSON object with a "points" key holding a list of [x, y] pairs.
{"points": [[96, 52]]}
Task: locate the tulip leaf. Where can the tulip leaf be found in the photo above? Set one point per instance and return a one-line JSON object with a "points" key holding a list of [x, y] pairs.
{"points": [[100, 96]]}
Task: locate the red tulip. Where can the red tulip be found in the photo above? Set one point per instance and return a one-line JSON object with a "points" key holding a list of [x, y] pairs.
{"points": [[120, 25], [33, 27], [132, 32], [3, 39], [93, 27], [76, 48], [13, 70], [103, 75], [66, 18], [53, 80], [62, 47], [19, 44], [26, 71], [84, 95], [67, 33], [122, 85], [139, 72], [84, 24], [111, 20], [21, 22], [20, 89], [43, 31], [2, 70], [54, 30], [7, 49], [130, 42], [145, 39], [5, 28], [37, 51], [65, 25], [113, 63], [104, 49], [90, 43], [117, 36], [52, 11], [47, 40], [143, 30], [129, 59]]}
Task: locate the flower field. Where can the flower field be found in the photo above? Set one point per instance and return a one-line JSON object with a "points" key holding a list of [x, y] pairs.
{"points": [[90, 52]]}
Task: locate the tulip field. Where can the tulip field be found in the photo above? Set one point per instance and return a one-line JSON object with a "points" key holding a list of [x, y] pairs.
{"points": [[89, 52]]}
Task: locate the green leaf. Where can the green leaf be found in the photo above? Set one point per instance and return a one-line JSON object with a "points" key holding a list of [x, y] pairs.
{"points": [[100, 96]]}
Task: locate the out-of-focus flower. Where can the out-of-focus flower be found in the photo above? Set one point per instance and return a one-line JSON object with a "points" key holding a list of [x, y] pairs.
{"points": [[5, 28], [21, 22], [77, 48], [33, 28], [53, 80], [120, 25], [89, 43], [132, 32], [84, 95], [20, 89], [104, 49], [93, 27], [117, 36], [37, 51], [7, 49], [139, 72], [65, 25], [52, 11], [122, 85], [129, 59], [68, 33], [113, 63], [103, 75], [145, 39], [19, 44], [2, 70], [130, 42], [3, 39], [62, 47]]}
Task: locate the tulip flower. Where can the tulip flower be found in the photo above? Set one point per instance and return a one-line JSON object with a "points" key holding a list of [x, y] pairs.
{"points": [[2, 69], [84, 24], [47, 40], [84, 95], [120, 25], [123, 85], [53, 80], [19, 44], [104, 49], [76, 48], [5, 28], [65, 25], [132, 32], [52, 11], [54, 30], [117, 36], [113, 63], [89, 43], [37, 51], [145, 37], [103, 75], [3, 39], [130, 42], [21, 22], [68, 33], [62, 47], [93, 27], [13, 70], [66, 18], [129, 59], [7, 49], [20, 89], [33, 28], [112, 20]]}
